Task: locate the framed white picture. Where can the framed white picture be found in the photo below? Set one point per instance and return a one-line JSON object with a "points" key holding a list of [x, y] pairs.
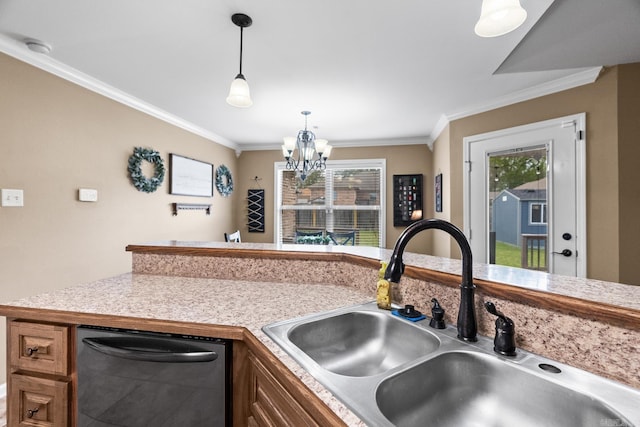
{"points": [[190, 177]]}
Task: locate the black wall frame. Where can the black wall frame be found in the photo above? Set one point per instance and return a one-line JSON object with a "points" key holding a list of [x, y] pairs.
{"points": [[255, 207], [407, 199]]}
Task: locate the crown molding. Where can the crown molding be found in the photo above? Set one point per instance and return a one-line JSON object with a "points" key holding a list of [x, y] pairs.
{"points": [[18, 50], [381, 142], [580, 78], [441, 124]]}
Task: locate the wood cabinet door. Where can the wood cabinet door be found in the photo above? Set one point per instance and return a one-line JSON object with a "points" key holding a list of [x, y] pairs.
{"points": [[38, 402], [39, 347], [271, 404]]}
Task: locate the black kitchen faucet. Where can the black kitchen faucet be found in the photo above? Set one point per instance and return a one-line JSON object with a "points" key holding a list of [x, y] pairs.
{"points": [[467, 326]]}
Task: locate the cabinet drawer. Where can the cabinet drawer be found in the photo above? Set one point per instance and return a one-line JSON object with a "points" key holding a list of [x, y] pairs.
{"points": [[38, 402], [40, 348], [271, 404]]}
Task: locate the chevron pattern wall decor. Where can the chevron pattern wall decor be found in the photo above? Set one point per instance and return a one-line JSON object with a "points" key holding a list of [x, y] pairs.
{"points": [[256, 211]]}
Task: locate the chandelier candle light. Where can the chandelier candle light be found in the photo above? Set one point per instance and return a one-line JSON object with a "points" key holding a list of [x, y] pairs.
{"points": [[310, 153]]}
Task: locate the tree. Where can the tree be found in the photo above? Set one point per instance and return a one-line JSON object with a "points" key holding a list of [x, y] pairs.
{"points": [[312, 178], [510, 171]]}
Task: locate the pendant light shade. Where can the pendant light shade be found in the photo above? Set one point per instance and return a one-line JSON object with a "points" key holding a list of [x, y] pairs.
{"points": [[499, 17], [239, 94]]}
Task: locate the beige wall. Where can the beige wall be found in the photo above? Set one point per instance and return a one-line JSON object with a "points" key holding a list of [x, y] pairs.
{"points": [[56, 137], [442, 243], [406, 159], [613, 206], [612, 149], [629, 172]]}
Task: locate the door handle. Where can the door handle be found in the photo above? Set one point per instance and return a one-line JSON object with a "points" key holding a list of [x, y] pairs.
{"points": [[150, 349], [565, 252]]}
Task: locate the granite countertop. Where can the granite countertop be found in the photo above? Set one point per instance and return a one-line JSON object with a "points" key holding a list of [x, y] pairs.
{"points": [[252, 305], [615, 294], [247, 304]]}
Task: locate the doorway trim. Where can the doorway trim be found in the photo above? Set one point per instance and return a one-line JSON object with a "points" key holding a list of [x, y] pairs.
{"points": [[581, 177]]}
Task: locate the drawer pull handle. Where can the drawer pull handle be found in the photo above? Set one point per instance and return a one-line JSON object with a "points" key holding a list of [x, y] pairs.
{"points": [[31, 350], [32, 412]]}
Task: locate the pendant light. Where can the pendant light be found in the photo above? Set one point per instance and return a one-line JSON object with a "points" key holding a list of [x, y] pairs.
{"points": [[499, 17], [239, 95]]}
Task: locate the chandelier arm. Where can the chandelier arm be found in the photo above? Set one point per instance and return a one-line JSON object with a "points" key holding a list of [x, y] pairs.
{"points": [[292, 163]]}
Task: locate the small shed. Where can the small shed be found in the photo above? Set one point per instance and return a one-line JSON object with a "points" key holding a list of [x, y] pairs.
{"points": [[519, 211]]}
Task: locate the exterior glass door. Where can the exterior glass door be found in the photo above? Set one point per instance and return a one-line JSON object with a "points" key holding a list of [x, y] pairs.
{"points": [[517, 200]]}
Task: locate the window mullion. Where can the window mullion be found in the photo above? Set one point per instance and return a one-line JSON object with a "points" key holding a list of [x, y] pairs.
{"points": [[329, 196]]}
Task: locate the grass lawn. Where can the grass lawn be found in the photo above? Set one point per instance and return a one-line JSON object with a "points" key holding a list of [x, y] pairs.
{"points": [[510, 256], [507, 254]]}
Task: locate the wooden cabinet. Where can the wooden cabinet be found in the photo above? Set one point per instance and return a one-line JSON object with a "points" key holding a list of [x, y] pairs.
{"points": [[270, 403], [39, 383], [39, 347], [42, 390], [38, 402]]}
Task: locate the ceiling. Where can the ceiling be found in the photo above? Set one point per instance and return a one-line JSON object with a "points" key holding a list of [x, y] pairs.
{"points": [[370, 71]]}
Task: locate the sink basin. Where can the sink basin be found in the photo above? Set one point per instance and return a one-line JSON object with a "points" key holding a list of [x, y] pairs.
{"points": [[362, 343], [463, 388], [392, 372]]}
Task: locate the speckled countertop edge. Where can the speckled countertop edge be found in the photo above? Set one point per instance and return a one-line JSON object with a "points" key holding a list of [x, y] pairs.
{"points": [[247, 304], [616, 294]]}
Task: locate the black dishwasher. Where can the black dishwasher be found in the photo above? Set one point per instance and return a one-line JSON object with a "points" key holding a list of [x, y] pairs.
{"points": [[133, 378]]}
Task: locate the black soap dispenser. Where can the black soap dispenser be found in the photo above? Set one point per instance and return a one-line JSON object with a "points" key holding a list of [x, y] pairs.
{"points": [[437, 315], [505, 341]]}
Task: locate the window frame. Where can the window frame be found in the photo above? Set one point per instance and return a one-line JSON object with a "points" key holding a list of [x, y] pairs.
{"points": [[381, 164], [543, 213]]}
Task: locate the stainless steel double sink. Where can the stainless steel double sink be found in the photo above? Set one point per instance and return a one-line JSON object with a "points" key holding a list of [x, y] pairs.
{"points": [[390, 371]]}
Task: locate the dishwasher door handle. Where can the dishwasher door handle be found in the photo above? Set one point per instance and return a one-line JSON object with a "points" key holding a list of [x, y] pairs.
{"points": [[150, 349]]}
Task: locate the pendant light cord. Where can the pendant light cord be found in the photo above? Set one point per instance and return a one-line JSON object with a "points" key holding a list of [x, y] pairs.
{"points": [[241, 50]]}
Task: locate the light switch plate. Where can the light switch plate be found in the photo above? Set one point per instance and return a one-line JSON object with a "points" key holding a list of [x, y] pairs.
{"points": [[87, 195], [12, 198]]}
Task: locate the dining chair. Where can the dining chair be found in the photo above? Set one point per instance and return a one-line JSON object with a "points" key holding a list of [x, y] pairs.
{"points": [[343, 238], [232, 237]]}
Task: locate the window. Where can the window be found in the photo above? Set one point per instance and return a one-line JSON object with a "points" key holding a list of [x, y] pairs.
{"points": [[538, 213], [344, 204]]}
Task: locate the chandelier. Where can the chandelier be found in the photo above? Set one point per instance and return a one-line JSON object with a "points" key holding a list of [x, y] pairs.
{"points": [[305, 153]]}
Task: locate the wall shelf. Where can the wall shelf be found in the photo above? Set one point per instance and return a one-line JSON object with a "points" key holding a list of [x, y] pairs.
{"points": [[191, 207]]}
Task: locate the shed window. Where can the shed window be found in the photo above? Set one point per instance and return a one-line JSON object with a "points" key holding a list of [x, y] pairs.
{"points": [[538, 213]]}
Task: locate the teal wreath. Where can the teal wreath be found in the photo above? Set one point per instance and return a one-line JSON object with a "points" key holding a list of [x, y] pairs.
{"points": [[141, 182], [224, 182]]}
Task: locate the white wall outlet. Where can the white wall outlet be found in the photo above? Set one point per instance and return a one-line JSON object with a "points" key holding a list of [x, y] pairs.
{"points": [[87, 195], [13, 198]]}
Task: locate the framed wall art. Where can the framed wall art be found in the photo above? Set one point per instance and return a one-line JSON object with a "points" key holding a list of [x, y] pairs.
{"points": [[438, 192], [407, 199], [190, 177], [255, 199]]}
